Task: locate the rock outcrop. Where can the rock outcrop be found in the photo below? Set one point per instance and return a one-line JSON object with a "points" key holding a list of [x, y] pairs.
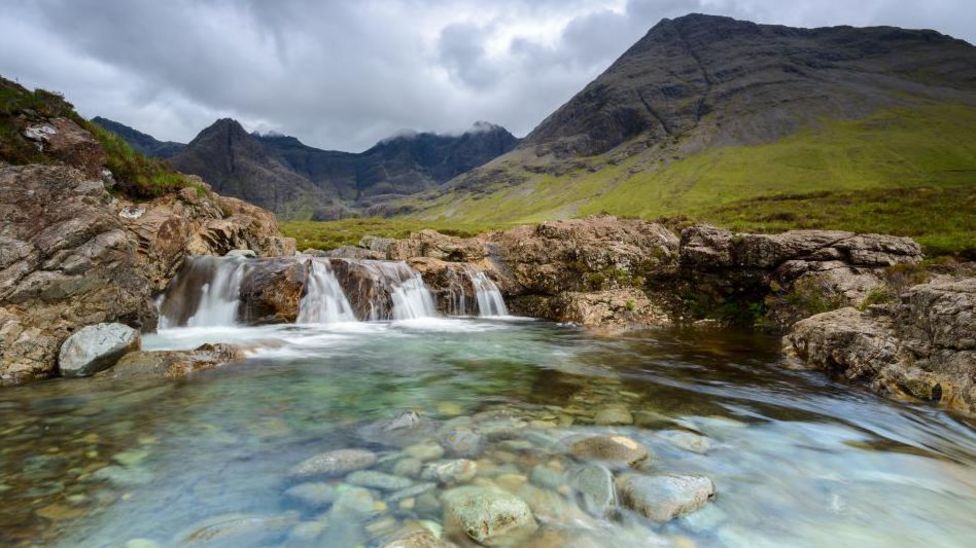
{"points": [[921, 346], [173, 364], [74, 254]]}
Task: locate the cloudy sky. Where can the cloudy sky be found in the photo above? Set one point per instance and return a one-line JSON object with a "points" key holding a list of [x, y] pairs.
{"points": [[345, 74]]}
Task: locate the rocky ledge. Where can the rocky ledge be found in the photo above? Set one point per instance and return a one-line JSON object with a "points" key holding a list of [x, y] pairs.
{"points": [[603, 271], [74, 254], [922, 345]]}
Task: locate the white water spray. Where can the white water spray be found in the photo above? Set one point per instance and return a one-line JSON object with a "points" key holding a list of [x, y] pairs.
{"points": [[324, 300]]}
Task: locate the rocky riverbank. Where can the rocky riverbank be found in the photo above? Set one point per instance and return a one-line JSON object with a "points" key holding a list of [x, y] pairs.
{"points": [[76, 254]]}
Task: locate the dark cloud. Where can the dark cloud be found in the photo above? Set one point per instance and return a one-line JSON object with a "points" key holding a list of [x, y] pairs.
{"points": [[347, 74]]}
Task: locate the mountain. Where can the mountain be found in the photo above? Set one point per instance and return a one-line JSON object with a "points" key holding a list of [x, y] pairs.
{"points": [[404, 164], [281, 173], [143, 143], [236, 164], [705, 114]]}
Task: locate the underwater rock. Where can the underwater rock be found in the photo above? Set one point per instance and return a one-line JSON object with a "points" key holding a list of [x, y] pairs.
{"points": [[485, 515], [334, 463], [664, 497], [610, 448]]}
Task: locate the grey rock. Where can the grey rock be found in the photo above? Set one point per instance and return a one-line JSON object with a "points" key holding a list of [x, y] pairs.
{"points": [[412, 491], [334, 463], [613, 415], [485, 515], [408, 467], [664, 497], [595, 484], [688, 441], [378, 480], [450, 471], [463, 442], [547, 477], [95, 348], [425, 451], [313, 494]]}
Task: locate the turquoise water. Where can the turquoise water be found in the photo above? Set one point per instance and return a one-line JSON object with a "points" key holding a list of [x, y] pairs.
{"points": [[797, 459]]}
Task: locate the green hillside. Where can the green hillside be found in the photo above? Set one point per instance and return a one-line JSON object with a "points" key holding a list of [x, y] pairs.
{"points": [[909, 171]]}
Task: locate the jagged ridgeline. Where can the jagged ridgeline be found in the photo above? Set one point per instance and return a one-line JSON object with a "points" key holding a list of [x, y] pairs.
{"points": [[758, 126], [297, 181]]}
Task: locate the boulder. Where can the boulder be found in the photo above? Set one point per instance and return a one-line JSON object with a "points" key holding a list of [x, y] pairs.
{"points": [[594, 483], [271, 290], [486, 516], [96, 347], [664, 497], [75, 255]]}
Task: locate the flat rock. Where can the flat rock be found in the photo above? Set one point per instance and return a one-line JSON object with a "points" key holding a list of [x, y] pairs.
{"points": [[664, 497], [378, 480], [313, 494]]}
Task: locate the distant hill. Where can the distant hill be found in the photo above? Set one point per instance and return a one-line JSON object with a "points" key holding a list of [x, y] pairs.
{"points": [[143, 143], [295, 180], [705, 115]]}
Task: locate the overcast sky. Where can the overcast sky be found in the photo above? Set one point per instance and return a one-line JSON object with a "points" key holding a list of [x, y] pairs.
{"points": [[345, 74]]}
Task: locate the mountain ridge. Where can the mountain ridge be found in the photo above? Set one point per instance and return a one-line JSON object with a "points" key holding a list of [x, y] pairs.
{"points": [[296, 180]]}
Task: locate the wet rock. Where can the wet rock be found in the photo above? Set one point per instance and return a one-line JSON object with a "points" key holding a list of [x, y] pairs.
{"points": [[425, 451], [124, 475], [688, 441], [595, 485], [412, 491], [485, 515], [463, 442], [415, 536], [378, 480], [664, 497], [547, 477], [450, 471], [408, 467], [334, 463], [610, 448], [96, 347], [227, 528], [613, 415], [312, 494], [175, 363], [353, 502], [407, 427], [242, 253], [271, 290]]}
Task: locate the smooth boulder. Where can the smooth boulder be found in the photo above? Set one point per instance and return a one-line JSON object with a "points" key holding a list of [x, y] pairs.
{"points": [[610, 448], [95, 348], [485, 515], [664, 497]]}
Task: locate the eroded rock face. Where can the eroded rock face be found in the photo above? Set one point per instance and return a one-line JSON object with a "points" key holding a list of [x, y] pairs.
{"points": [[922, 346], [271, 290], [796, 273], [72, 254]]}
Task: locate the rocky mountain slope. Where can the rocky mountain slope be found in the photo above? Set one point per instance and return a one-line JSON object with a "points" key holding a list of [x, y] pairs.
{"points": [[705, 111], [295, 180], [239, 165]]}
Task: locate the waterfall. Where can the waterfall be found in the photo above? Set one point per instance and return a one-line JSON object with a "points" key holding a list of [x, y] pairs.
{"points": [[324, 300], [489, 298], [205, 293], [412, 299]]}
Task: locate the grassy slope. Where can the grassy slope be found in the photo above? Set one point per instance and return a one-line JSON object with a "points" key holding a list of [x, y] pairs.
{"points": [[333, 234], [845, 172]]}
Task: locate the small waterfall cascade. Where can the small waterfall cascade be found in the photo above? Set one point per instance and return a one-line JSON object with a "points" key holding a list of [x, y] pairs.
{"points": [[399, 293], [487, 295], [324, 300], [205, 293]]}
